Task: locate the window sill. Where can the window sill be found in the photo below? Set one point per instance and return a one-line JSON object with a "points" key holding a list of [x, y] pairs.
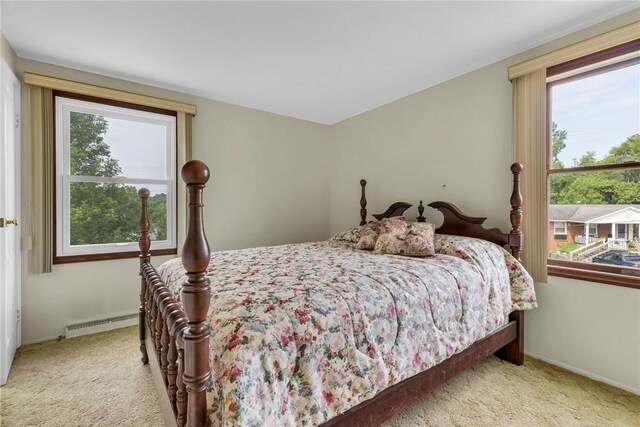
{"points": [[608, 275], [110, 256]]}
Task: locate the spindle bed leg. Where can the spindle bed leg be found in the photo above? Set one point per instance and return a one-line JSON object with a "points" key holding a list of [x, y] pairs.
{"points": [[164, 360], [147, 305], [152, 318], [181, 393], [158, 334], [141, 325], [144, 244], [172, 372]]}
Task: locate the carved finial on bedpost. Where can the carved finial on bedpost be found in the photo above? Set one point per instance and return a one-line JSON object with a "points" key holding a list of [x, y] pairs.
{"points": [[515, 235], [144, 243], [196, 294], [421, 217], [363, 203]]}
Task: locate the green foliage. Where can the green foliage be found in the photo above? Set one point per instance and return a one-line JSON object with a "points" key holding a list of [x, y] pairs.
{"points": [[558, 143], [565, 248], [588, 159], [608, 187], [628, 151], [558, 138], [158, 215], [104, 212], [90, 155]]}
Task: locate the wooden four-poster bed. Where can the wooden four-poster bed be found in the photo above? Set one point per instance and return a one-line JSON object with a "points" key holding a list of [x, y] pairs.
{"points": [[175, 328]]}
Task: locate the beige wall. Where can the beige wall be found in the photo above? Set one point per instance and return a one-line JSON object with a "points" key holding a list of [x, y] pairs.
{"points": [[453, 142], [589, 328], [269, 186]]}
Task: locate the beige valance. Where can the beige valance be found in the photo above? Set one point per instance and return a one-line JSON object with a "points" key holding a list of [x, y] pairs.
{"points": [[107, 93], [594, 44]]}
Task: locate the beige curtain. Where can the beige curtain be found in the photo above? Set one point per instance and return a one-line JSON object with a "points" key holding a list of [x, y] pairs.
{"points": [[40, 183], [184, 151], [529, 139]]}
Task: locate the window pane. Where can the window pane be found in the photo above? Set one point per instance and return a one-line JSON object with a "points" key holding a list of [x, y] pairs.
{"points": [[602, 213], [109, 213], [107, 146], [596, 120]]}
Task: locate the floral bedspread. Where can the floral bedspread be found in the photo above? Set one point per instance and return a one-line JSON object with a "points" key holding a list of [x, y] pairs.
{"points": [[300, 333]]}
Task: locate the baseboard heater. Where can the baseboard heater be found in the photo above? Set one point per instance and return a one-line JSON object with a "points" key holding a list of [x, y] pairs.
{"points": [[102, 325]]}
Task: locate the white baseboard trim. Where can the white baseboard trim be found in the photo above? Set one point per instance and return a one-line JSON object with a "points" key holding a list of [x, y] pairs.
{"points": [[101, 325], [92, 327], [585, 373]]}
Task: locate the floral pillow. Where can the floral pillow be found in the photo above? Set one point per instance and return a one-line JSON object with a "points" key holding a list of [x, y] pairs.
{"points": [[405, 238], [352, 235], [369, 235]]}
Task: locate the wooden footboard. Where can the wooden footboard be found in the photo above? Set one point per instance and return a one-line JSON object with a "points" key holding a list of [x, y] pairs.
{"points": [[180, 337]]}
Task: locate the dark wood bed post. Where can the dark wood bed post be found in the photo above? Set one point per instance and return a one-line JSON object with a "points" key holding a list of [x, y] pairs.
{"points": [[196, 294], [145, 244], [514, 351], [515, 235], [363, 203]]}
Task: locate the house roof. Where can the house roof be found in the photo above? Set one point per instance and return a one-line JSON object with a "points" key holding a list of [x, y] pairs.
{"points": [[586, 213]]}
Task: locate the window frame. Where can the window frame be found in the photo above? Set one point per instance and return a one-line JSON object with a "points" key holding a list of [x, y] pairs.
{"points": [[599, 273], [556, 235], [62, 179]]}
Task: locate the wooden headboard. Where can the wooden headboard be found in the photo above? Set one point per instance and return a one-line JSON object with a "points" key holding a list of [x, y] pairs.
{"points": [[459, 224]]}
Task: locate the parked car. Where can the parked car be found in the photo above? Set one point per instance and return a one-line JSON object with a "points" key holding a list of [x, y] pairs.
{"points": [[619, 258]]}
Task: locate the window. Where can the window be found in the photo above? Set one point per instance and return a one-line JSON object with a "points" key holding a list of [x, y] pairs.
{"points": [[104, 155], [594, 162], [560, 230]]}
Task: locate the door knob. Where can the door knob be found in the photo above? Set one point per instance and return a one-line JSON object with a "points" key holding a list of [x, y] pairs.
{"points": [[4, 222]]}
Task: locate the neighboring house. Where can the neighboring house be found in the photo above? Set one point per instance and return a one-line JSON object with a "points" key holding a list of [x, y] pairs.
{"points": [[584, 223]]}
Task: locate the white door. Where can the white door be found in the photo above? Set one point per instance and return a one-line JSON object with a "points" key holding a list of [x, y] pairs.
{"points": [[9, 219]]}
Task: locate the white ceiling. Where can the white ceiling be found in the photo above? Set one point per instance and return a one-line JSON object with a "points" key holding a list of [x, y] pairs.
{"points": [[319, 61]]}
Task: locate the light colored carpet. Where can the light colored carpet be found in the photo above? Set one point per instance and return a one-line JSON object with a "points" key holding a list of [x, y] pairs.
{"points": [[98, 380]]}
